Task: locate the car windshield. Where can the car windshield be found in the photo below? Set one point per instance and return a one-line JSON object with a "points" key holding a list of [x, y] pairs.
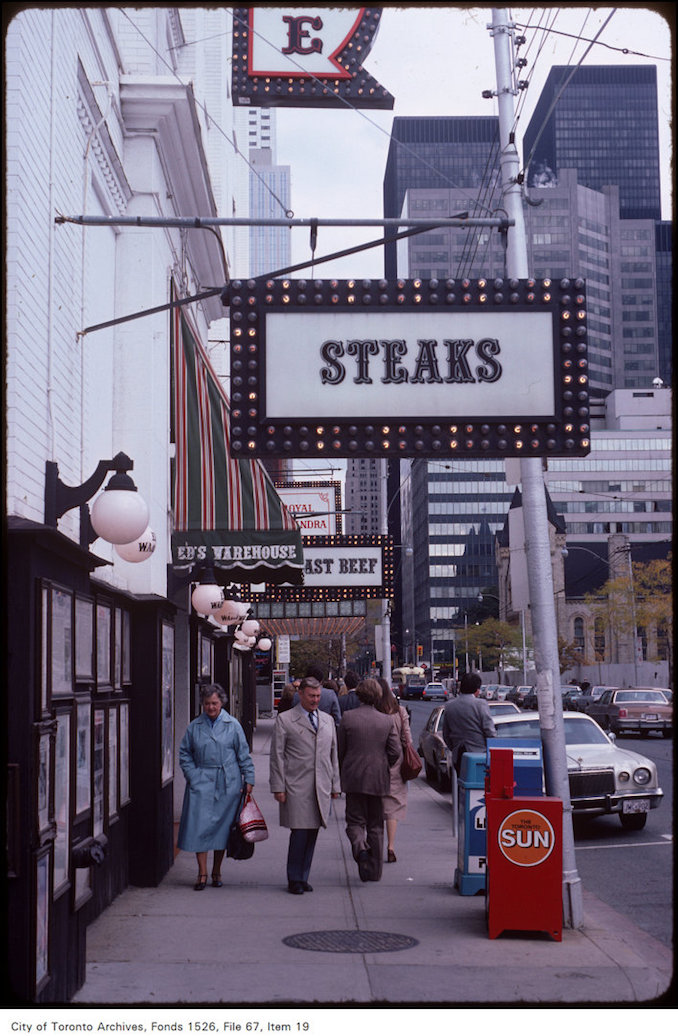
{"points": [[578, 730], [631, 696]]}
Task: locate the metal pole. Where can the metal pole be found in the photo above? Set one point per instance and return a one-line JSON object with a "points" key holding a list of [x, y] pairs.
{"points": [[537, 544], [386, 621], [193, 222], [522, 624]]}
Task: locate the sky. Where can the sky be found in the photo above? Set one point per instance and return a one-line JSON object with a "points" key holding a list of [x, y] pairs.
{"points": [[437, 60]]}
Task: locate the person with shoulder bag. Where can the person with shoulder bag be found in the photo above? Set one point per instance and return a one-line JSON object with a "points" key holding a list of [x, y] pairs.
{"points": [[395, 802]]}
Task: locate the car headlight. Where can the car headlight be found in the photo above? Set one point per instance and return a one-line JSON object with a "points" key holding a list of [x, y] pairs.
{"points": [[623, 776], [642, 775]]}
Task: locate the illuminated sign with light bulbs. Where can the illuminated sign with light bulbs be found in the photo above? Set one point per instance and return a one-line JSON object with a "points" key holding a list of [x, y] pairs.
{"points": [[408, 368], [340, 568], [307, 57]]}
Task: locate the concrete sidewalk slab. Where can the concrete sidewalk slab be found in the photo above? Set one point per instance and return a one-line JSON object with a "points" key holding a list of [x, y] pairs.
{"points": [[170, 946]]}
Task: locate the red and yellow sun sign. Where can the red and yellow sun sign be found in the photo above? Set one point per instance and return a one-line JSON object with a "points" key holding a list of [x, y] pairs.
{"points": [[526, 837]]}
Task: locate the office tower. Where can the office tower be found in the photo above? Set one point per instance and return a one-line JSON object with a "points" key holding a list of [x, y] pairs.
{"points": [[440, 152], [601, 120]]}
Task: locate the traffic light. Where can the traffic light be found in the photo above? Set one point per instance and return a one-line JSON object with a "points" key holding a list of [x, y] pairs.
{"points": [[420, 650]]}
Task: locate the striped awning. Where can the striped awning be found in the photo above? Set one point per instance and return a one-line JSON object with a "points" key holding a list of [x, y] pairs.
{"points": [[225, 511]]}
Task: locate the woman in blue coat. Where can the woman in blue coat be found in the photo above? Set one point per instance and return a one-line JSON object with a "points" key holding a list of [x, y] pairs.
{"points": [[216, 762]]}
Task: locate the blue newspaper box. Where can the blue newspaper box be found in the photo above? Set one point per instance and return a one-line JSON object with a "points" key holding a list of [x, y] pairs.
{"points": [[469, 876], [528, 763]]}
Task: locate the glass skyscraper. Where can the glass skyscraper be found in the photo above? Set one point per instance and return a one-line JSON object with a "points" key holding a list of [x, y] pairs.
{"points": [[601, 120]]}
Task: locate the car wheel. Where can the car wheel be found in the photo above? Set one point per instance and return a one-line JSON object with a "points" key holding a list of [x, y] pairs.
{"points": [[633, 821]]}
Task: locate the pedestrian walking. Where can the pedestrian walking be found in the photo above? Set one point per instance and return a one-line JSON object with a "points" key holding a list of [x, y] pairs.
{"points": [[395, 802], [350, 699], [368, 747], [467, 722], [304, 778], [329, 701], [286, 700], [215, 760]]}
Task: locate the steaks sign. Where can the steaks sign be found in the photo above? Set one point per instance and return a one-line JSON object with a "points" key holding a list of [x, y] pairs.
{"points": [[408, 368]]}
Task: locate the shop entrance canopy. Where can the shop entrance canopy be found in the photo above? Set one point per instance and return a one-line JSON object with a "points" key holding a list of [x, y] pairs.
{"points": [[225, 511]]}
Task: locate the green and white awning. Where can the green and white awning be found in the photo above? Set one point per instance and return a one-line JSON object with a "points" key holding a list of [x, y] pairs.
{"points": [[225, 511]]}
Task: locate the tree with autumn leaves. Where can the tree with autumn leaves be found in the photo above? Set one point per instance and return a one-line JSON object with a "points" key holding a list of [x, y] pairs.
{"points": [[641, 601]]}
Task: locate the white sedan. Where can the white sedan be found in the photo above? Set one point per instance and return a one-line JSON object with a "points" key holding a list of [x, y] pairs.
{"points": [[603, 778]]}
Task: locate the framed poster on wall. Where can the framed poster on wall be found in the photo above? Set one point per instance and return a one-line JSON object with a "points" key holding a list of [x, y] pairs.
{"points": [[44, 806], [117, 649], [167, 703], [61, 641], [84, 640], [98, 770], [113, 762], [124, 754], [103, 646], [44, 651], [83, 757], [43, 900], [62, 802]]}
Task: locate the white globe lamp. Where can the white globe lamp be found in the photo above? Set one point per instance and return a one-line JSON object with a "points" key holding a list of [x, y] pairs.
{"points": [[119, 514], [139, 549]]}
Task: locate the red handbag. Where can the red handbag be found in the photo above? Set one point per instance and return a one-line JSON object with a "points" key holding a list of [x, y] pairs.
{"points": [[411, 764], [251, 822]]}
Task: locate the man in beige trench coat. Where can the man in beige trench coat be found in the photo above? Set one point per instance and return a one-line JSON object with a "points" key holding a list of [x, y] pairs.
{"points": [[304, 777]]}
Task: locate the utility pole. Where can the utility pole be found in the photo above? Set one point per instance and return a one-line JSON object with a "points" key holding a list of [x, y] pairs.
{"points": [[385, 627], [537, 545]]}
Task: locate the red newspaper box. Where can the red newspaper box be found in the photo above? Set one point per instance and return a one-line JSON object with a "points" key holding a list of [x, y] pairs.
{"points": [[524, 858]]}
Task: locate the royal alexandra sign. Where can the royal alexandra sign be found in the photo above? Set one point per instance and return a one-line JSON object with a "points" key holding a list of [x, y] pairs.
{"points": [[408, 368], [316, 506], [305, 57]]}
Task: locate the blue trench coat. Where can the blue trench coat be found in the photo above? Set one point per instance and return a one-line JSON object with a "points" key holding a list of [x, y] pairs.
{"points": [[216, 763]]}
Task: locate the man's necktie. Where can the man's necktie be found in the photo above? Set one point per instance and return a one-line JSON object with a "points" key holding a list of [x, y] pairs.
{"points": [[314, 720]]}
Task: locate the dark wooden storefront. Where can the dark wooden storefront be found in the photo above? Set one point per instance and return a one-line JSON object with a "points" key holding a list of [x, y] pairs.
{"points": [[89, 750]]}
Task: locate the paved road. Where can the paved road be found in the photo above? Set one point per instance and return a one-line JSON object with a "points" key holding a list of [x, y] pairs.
{"points": [[631, 871]]}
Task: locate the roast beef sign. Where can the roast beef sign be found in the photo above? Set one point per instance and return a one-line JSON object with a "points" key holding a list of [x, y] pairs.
{"points": [[408, 368]]}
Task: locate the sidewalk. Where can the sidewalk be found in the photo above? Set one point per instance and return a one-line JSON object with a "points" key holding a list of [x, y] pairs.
{"points": [[172, 946]]}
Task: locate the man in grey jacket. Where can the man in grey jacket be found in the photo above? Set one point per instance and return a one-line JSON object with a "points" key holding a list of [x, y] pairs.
{"points": [[467, 722], [368, 746]]}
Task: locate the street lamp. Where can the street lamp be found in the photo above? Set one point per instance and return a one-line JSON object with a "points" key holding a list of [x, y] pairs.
{"points": [[119, 515]]}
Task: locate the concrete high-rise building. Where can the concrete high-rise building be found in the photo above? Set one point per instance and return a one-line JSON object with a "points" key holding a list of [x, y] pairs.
{"points": [[601, 120], [440, 152]]}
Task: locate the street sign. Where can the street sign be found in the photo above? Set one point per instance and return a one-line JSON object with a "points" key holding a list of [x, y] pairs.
{"points": [[408, 368], [309, 57], [341, 568]]}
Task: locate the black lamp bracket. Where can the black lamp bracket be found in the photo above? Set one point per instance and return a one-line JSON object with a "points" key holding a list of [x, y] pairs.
{"points": [[60, 498]]}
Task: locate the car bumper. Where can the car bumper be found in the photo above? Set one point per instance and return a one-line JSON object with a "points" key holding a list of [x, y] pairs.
{"points": [[623, 725], [598, 805]]}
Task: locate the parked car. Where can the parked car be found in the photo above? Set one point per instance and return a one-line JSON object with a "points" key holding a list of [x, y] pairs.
{"points": [[624, 710], [603, 778], [435, 690], [490, 691], [579, 700], [501, 692], [667, 694], [433, 749], [502, 708], [518, 694]]}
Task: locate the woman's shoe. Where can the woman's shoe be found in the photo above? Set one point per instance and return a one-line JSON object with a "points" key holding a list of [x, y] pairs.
{"points": [[200, 883], [391, 857], [216, 881]]}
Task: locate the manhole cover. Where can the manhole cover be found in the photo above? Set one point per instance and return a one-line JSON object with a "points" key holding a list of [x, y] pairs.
{"points": [[350, 942]]}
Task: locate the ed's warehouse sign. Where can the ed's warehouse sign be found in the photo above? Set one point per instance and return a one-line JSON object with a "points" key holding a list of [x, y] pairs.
{"points": [[409, 368]]}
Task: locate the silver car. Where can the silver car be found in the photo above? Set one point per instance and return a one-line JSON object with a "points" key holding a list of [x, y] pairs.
{"points": [[603, 778]]}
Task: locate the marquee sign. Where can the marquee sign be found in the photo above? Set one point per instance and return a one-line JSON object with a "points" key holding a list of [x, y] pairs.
{"points": [[409, 368], [308, 57], [340, 568], [316, 506]]}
